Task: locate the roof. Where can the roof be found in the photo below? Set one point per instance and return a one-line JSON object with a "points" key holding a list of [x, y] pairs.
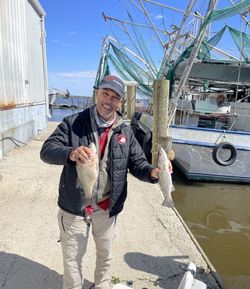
{"points": [[218, 73], [38, 7]]}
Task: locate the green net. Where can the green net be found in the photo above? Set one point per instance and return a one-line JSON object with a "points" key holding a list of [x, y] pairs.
{"points": [[127, 73], [131, 67], [144, 75], [103, 69], [143, 48], [242, 41], [228, 12], [207, 45], [133, 71]]}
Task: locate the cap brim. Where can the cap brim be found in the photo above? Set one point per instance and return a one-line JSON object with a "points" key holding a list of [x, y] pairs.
{"points": [[108, 86]]}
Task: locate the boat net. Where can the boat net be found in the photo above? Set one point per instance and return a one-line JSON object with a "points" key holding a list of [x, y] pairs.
{"points": [[144, 72]]}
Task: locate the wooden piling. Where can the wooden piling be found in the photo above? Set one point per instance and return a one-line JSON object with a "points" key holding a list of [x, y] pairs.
{"points": [[160, 136], [131, 99], [94, 95]]}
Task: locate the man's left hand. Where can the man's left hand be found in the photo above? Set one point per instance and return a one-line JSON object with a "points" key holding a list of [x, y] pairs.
{"points": [[156, 171]]}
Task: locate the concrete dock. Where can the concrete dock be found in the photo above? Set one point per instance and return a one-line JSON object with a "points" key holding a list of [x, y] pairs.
{"points": [[152, 247]]}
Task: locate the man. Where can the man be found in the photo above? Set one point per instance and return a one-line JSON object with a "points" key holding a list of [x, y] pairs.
{"points": [[118, 151], [222, 105]]}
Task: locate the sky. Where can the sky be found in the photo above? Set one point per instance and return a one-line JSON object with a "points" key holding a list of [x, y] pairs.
{"points": [[74, 33], [75, 30]]}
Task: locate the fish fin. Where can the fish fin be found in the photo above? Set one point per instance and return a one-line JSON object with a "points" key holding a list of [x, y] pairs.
{"points": [[168, 203]]}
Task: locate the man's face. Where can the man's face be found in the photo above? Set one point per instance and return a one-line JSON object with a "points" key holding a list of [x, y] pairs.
{"points": [[107, 103], [220, 99]]}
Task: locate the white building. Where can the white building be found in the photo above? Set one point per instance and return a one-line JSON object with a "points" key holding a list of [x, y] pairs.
{"points": [[23, 72]]}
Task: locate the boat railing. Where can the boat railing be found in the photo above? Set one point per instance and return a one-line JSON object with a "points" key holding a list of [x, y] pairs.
{"points": [[235, 120]]}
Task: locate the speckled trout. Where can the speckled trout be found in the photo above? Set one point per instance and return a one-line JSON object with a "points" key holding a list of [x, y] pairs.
{"points": [[165, 178], [88, 173]]}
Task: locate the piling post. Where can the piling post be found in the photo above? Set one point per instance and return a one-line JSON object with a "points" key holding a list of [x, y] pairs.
{"points": [[131, 99], [124, 105], [160, 118], [94, 95]]}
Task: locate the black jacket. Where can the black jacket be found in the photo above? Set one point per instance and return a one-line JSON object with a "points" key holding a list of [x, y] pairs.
{"points": [[75, 131]]}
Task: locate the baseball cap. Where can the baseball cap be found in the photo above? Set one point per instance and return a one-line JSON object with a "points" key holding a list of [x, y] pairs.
{"points": [[115, 83]]}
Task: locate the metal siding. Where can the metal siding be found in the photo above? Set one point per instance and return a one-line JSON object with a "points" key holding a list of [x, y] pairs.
{"points": [[12, 56], [35, 55], [23, 73], [22, 62]]}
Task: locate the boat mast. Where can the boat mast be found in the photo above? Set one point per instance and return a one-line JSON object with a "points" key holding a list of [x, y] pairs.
{"points": [[129, 51], [130, 23], [220, 51], [167, 58], [243, 16], [175, 9], [186, 15], [152, 24], [125, 30], [188, 66]]}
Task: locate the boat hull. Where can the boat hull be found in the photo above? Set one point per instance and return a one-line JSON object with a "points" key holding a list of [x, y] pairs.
{"points": [[194, 154], [196, 163], [194, 146]]}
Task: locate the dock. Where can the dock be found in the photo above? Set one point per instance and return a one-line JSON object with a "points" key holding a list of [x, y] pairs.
{"points": [[152, 247]]}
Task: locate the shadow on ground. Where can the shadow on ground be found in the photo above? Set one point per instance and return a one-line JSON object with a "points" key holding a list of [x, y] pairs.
{"points": [[19, 272], [169, 270]]}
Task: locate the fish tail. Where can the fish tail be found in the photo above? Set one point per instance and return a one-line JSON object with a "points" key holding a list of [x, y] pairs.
{"points": [[168, 203]]}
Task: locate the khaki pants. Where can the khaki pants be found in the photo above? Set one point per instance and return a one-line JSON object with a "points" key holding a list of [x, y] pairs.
{"points": [[74, 237]]}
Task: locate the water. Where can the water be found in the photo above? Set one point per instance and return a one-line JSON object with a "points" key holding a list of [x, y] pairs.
{"points": [[218, 215], [58, 114], [68, 106]]}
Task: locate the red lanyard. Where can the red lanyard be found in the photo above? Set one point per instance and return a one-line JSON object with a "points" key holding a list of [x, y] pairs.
{"points": [[103, 141]]}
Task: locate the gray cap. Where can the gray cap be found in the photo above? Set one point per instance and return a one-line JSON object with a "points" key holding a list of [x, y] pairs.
{"points": [[115, 83]]}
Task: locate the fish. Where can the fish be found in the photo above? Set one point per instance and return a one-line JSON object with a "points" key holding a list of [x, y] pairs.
{"points": [[88, 173], [165, 179]]}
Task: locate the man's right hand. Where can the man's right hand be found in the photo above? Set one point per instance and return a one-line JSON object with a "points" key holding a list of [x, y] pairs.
{"points": [[81, 154]]}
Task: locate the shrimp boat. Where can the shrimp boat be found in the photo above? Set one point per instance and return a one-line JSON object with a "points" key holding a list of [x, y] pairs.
{"points": [[209, 102]]}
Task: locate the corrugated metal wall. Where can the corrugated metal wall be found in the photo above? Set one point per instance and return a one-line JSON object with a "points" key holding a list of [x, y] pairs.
{"points": [[13, 56], [21, 54], [35, 71], [23, 72]]}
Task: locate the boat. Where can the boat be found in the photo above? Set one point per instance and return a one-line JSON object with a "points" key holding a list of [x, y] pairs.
{"points": [[212, 145], [208, 145], [211, 140], [209, 106]]}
